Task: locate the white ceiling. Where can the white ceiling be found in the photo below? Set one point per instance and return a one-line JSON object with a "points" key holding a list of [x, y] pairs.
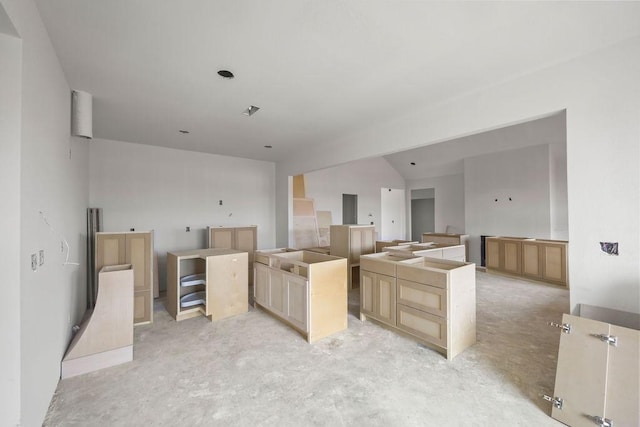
{"points": [[316, 68]]}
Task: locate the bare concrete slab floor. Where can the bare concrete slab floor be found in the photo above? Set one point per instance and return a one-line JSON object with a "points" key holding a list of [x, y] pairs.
{"points": [[253, 370]]}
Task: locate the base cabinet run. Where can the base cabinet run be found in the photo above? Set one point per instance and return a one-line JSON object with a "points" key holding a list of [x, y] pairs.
{"points": [[306, 290], [432, 300]]}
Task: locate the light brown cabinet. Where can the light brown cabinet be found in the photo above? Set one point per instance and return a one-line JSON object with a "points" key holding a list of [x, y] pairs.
{"points": [[434, 300], [537, 259], [306, 290], [352, 241], [430, 250], [598, 374], [243, 239], [135, 248], [209, 282]]}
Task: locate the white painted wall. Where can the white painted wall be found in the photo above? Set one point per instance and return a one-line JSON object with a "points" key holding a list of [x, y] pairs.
{"points": [[53, 179], [364, 177], [523, 176], [10, 123], [558, 192], [449, 208], [601, 94], [146, 187]]}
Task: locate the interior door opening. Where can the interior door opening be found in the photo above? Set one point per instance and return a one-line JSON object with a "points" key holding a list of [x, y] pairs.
{"points": [[349, 208]]}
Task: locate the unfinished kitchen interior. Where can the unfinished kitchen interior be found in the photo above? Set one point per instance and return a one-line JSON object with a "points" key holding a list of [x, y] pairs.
{"points": [[512, 128]]}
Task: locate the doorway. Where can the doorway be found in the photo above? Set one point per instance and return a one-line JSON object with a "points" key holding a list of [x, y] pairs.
{"points": [[349, 208], [422, 212]]}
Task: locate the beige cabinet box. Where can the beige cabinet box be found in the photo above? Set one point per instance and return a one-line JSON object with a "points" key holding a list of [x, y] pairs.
{"points": [[209, 282], [448, 239], [352, 241], [430, 250], [243, 239], [306, 290]]}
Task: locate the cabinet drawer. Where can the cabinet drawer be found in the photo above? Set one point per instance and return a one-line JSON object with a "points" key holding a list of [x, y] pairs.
{"points": [[376, 266], [423, 325], [422, 297], [424, 276]]}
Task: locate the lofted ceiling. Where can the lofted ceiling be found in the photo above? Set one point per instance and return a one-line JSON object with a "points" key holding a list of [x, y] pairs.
{"points": [[316, 68]]}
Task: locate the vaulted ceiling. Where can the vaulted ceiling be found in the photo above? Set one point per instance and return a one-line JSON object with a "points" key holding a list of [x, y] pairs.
{"points": [[316, 68]]}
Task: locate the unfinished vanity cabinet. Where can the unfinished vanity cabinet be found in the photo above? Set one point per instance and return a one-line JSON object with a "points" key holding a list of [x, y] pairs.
{"points": [[351, 241], [135, 248], [437, 303], [306, 290], [239, 238], [598, 374], [381, 244], [448, 239], [430, 250], [209, 282]]}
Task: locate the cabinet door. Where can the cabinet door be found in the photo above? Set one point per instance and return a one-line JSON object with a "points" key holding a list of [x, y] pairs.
{"points": [[110, 250], [261, 284], [554, 263], [221, 237], [277, 292], [367, 283], [623, 378], [361, 243], [531, 265], [511, 256], [581, 373], [297, 300], [142, 306], [493, 254], [385, 299], [138, 249]]}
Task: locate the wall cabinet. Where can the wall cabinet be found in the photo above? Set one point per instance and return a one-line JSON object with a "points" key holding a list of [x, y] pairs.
{"points": [[434, 301], [352, 241], [448, 239], [243, 239], [598, 374], [537, 259], [209, 282], [307, 290], [135, 248]]}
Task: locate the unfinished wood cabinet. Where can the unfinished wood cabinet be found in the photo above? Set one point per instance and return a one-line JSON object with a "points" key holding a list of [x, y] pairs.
{"points": [[598, 374], [430, 250], [434, 300], [135, 248], [209, 282], [448, 239], [243, 239], [306, 290], [105, 337], [352, 241], [537, 259], [381, 244]]}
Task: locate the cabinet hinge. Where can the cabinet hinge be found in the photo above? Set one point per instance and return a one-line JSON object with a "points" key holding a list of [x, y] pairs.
{"points": [[556, 401], [609, 339], [566, 327], [602, 422]]}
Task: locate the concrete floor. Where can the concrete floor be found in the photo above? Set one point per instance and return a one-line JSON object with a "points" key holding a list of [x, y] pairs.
{"points": [[253, 370]]}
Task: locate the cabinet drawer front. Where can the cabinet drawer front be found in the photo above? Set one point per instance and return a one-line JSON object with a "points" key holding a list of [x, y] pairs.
{"points": [[423, 297], [375, 266], [423, 325], [424, 276]]}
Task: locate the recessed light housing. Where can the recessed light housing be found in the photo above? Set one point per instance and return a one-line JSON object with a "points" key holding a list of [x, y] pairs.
{"points": [[226, 74], [251, 110], [412, 163]]}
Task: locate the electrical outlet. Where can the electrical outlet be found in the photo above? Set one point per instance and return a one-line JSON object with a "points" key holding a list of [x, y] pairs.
{"points": [[34, 262], [41, 256]]}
